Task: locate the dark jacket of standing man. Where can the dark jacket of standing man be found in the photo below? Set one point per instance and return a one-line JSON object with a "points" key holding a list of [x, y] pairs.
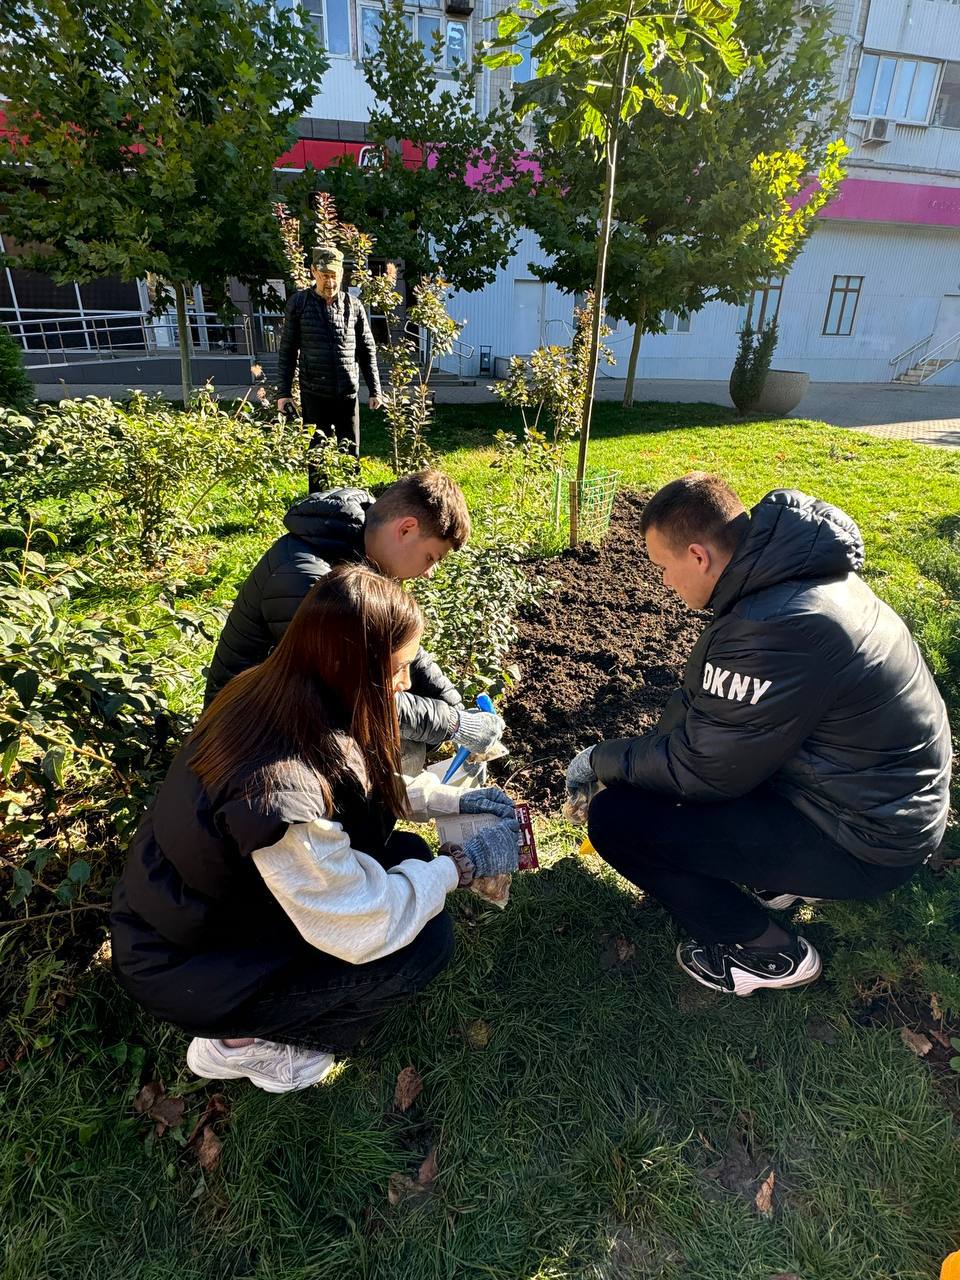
{"points": [[327, 330]]}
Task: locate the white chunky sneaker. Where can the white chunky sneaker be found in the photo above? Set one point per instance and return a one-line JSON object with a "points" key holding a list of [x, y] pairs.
{"points": [[737, 970], [277, 1068]]}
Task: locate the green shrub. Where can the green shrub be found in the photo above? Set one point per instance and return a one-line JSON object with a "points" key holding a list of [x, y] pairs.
{"points": [[16, 389], [86, 733], [144, 473], [752, 365], [470, 604]]}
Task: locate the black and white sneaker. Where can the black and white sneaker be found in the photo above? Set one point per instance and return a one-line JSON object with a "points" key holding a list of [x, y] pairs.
{"points": [[739, 971], [781, 901]]}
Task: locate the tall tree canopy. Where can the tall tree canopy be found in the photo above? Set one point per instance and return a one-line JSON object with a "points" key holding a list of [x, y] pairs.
{"points": [[706, 204], [144, 134]]}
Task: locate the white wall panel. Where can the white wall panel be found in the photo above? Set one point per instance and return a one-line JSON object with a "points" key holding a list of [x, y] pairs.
{"points": [[927, 28]]}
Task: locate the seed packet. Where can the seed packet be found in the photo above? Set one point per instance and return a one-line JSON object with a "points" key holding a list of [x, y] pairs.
{"points": [[457, 828]]}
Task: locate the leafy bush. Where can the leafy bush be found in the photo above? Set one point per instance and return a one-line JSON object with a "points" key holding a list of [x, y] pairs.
{"points": [[16, 389], [470, 604], [146, 473], [86, 732], [752, 365]]}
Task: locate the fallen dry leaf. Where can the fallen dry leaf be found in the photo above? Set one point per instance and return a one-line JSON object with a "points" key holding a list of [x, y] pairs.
{"points": [[409, 1087], [477, 1033], [208, 1150], [764, 1197], [427, 1173], [399, 1186], [935, 1009], [915, 1042], [625, 950], [162, 1108], [147, 1097], [215, 1110], [940, 1038]]}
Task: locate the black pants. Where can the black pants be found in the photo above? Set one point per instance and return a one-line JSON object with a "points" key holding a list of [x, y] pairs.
{"points": [[318, 1005], [333, 416], [691, 857]]}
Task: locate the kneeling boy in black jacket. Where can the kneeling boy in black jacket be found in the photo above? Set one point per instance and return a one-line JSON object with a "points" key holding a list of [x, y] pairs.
{"points": [[806, 755], [404, 533]]}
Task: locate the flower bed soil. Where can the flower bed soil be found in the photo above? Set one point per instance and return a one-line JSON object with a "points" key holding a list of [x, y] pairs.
{"points": [[598, 656]]}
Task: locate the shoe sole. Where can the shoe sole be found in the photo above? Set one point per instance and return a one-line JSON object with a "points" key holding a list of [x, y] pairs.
{"points": [[785, 901], [745, 984], [204, 1073]]}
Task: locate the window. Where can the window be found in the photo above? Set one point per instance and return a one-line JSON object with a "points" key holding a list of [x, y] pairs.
{"points": [[764, 305], [674, 322], [842, 306], [946, 114], [330, 19], [427, 27], [895, 88]]}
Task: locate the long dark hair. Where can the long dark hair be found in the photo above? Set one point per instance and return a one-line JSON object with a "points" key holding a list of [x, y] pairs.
{"points": [[329, 677]]}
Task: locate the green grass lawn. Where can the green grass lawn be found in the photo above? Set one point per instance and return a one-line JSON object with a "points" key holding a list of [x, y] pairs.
{"points": [[594, 1113]]}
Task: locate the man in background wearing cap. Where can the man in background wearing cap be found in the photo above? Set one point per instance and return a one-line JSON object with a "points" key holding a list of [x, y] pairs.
{"points": [[329, 331]]}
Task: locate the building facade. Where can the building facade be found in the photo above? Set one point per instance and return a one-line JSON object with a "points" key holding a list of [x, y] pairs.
{"points": [[875, 293]]}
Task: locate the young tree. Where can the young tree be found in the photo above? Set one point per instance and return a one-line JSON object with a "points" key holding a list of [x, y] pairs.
{"points": [[707, 205], [144, 134], [450, 213], [599, 62]]}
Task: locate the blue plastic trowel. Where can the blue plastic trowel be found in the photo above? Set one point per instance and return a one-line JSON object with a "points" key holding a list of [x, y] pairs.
{"points": [[483, 704]]}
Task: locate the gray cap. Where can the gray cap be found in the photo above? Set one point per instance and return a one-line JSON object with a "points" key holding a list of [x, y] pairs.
{"points": [[327, 257]]}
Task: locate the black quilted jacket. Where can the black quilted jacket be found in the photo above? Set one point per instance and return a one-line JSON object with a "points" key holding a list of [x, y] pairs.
{"points": [[334, 344], [807, 680], [326, 529]]}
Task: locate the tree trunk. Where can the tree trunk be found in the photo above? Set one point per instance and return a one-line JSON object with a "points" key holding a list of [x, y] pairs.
{"points": [[183, 337], [613, 138], [638, 319]]}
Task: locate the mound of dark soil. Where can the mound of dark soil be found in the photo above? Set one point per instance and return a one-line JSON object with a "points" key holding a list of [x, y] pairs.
{"points": [[598, 657]]}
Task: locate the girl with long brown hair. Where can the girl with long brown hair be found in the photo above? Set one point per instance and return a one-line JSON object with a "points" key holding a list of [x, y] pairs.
{"points": [[267, 905]]}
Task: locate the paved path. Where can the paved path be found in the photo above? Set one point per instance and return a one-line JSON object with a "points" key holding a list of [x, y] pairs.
{"points": [[928, 414]]}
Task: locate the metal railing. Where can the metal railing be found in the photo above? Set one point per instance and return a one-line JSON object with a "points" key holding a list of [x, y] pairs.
{"points": [[926, 358], [59, 339], [458, 353]]}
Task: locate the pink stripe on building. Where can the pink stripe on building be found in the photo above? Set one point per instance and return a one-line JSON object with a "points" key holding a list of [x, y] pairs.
{"points": [[867, 200]]}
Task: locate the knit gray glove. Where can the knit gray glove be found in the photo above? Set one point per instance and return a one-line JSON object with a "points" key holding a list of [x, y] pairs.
{"points": [[582, 786], [478, 730], [495, 851], [580, 775], [487, 800]]}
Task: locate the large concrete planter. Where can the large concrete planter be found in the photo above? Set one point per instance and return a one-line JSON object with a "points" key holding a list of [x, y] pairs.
{"points": [[783, 389]]}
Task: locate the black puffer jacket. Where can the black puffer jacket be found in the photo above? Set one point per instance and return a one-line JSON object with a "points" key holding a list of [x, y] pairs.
{"points": [[334, 344], [326, 529], [195, 929], [807, 680]]}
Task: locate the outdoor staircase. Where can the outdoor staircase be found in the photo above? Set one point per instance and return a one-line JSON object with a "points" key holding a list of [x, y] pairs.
{"points": [[921, 372], [924, 360]]}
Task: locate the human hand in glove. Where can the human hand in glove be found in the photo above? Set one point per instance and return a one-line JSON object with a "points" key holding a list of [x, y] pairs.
{"points": [[478, 731], [487, 800], [494, 851], [582, 786]]}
